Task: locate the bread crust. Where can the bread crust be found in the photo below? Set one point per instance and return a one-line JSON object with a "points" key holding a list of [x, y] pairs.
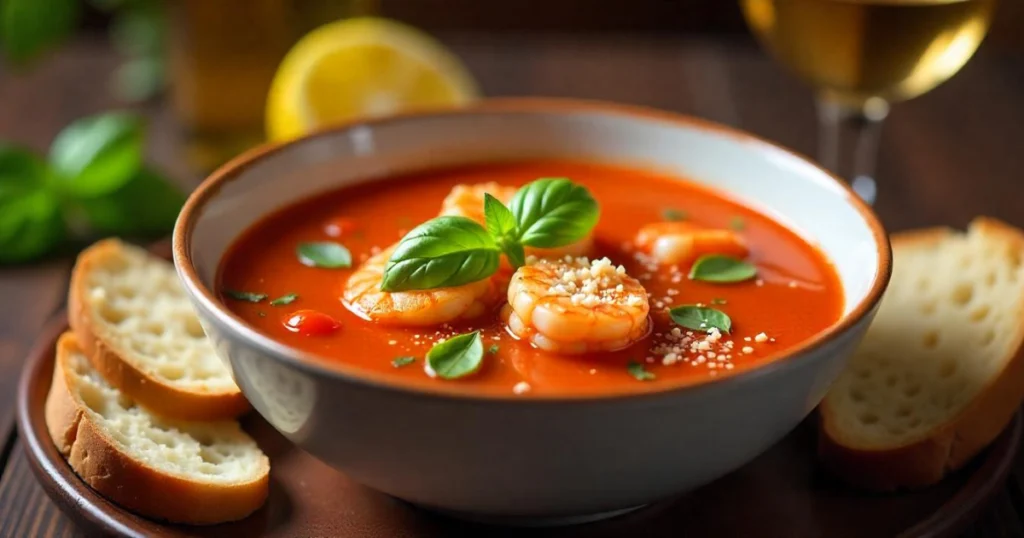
{"points": [[105, 356], [130, 483], [951, 445]]}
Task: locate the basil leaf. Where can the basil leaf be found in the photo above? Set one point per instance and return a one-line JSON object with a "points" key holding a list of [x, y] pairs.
{"points": [[674, 215], [442, 252], [284, 299], [493, 349], [500, 220], [30, 27], [245, 296], [554, 212], [399, 362], [324, 254], [637, 370], [699, 318], [98, 155], [30, 221], [147, 205], [501, 224], [721, 269], [457, 357]]}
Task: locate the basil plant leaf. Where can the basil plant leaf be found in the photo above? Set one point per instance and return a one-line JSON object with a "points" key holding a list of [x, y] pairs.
{"points": [[325, 254], [699, 318], [98, 155], [501, 224], [457, 356], [146, 206], [442, 252], [554, 212], [721, 269], [30, 221], [30, 27]]}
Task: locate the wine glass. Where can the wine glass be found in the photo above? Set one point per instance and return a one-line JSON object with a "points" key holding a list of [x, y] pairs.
{"points": [[863, 55]]}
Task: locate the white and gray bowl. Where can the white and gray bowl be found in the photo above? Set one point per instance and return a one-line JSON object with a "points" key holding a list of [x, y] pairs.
{"points": [[547, 459]]}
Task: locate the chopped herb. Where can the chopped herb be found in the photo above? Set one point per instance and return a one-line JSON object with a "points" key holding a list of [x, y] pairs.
{"points": [[457, 356], [737, 224], [718, 301], [245, 296], [261, 314], [325, 254], [699, 318], [637, 370], [674, 214], [721, 269], [493, 349], [399, 362], [284, 299]]}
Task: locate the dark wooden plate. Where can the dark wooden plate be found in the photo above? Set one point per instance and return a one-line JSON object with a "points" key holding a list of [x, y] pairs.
{"points": [[779, 494]]}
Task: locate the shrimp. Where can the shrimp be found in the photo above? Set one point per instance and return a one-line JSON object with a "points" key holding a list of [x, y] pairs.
{"points": [[574, 306], [419, 308], [679, 243], [468, 201]]}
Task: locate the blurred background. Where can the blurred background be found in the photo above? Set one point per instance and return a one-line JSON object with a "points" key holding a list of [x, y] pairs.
{"points": [[189, 81]]}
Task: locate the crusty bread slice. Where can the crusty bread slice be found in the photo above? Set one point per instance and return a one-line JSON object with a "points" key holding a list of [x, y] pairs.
{"points": [[941, 370], [185, 472], [133, 320]]}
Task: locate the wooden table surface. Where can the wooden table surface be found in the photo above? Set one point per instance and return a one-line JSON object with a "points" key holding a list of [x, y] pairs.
{"points": [[946, 157]]}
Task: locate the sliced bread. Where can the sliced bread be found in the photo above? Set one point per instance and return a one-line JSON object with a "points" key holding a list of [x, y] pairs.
{"points": [[185, 472], [941, 370], [134, 322]]}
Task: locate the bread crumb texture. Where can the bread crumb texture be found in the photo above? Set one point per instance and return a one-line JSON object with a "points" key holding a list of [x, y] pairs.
{"points": [[210, 452], [947, 326], [142, 307]]}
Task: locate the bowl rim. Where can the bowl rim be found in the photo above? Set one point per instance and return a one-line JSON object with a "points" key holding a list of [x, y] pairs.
{"points": [[318, 365]]}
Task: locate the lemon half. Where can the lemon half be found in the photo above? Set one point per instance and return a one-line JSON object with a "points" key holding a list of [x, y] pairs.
{"points": [[361, 68]]}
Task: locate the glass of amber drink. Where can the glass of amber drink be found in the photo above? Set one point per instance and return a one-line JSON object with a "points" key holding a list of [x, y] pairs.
{"points": [[222, 57], [863, 55]]}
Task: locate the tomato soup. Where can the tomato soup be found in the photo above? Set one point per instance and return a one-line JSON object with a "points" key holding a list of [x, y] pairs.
{"points": [[776, 291]]}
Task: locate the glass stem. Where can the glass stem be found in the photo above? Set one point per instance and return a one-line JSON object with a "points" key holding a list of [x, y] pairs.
{"points": [[848, 140]]}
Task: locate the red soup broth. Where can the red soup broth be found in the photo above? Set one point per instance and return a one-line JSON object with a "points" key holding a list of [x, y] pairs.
{"points": [[796, 294]]}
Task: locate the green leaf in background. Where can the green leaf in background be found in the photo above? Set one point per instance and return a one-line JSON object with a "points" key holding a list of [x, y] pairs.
{"points": [[99, 154], [30, 221], [30, 27], [147, 205]]}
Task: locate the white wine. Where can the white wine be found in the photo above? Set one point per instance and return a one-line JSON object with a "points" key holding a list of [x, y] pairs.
{"points": [[854, 50]]}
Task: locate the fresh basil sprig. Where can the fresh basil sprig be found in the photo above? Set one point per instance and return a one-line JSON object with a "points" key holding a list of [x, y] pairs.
{"points": [[502, 226], [98, 155], [452, 251], [554, 212], [442, 252], [457, 356], [701, 318], [721, 269], [94, 184]]}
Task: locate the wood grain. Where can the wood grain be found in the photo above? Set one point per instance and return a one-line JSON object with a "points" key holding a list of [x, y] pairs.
{"points": [[946, 156]]}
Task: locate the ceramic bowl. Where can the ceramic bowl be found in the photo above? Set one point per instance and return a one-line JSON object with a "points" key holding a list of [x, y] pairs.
{"points": [[543, 459]]}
